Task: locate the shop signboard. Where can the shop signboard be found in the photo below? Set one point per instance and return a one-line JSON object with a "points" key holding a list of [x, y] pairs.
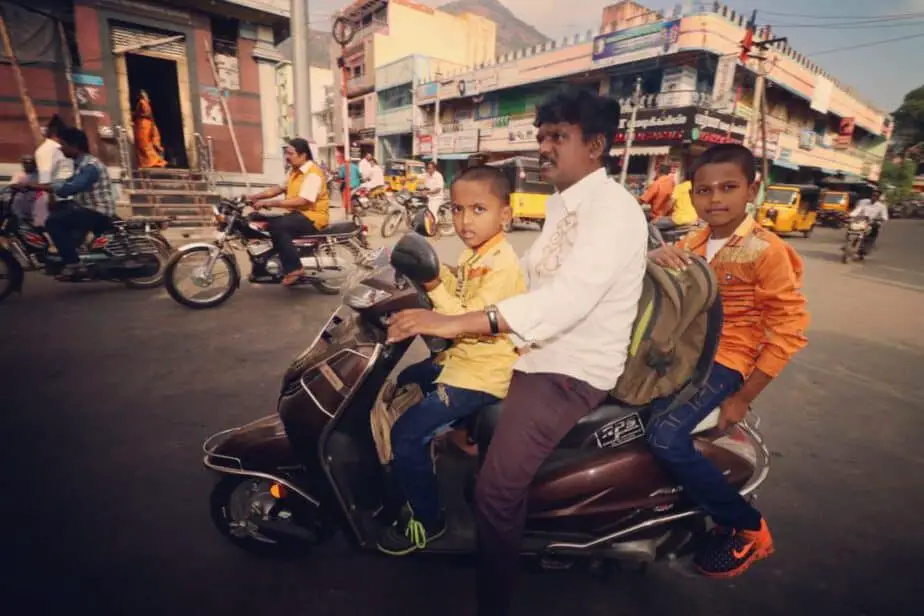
{"points": [[845, 133], [661, 36], [425, 145], [458, 142], [660, 127]]}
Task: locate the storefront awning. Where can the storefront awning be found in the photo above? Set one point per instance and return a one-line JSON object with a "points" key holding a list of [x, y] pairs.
{"points": [[786, 165], [651, 150]]}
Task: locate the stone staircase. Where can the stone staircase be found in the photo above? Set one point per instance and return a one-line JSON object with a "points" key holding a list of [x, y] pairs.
{"points": [[182, 195], [186, 196]]}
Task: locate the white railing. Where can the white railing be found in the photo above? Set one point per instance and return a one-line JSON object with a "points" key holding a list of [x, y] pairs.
{"points": [[205, 158], [125, 158]]}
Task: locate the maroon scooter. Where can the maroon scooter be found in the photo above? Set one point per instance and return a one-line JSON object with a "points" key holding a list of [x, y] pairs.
{"points": [[291, 480]]}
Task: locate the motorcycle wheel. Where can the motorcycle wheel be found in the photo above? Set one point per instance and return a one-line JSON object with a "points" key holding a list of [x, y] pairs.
{"points": [[391, 223], [11, 274], [235, 501], [161, 257], [445, 222], [170, 282], [329, 287]]}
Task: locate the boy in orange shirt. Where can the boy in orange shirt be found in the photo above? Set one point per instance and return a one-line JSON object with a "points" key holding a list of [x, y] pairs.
{"points": [[760, 277]]}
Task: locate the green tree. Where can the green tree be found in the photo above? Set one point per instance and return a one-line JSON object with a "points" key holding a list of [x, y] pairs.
{"points": [[909, 118], [897, 179]]}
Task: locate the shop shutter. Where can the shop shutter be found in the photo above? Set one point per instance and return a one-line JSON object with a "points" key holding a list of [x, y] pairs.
{"points": [[124, 35]]}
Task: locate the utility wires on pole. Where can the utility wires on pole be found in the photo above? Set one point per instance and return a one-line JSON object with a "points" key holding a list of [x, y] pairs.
{"points": [[301, 67]]}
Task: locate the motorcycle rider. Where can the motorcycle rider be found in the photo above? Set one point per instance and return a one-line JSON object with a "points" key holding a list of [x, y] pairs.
{"points": [[474, 372], [52, 165], [433, 184], [877, 213], [23, 202], [92, 208], [376, 177], [659, 192], [574, 323], [307, 199], [765, 318], [679, 211]]}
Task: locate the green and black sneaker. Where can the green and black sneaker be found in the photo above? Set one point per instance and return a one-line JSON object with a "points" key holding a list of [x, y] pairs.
{"points": [[407, 534]]}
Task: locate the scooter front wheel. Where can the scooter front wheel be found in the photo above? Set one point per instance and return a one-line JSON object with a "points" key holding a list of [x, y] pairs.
{"points": [[245, 511]]}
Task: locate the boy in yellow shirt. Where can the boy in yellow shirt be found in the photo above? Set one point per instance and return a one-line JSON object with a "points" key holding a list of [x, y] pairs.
{"points": [[471, 374]]}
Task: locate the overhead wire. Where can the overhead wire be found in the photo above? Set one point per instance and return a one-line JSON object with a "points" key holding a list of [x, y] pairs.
{"points": [[864, 45]]}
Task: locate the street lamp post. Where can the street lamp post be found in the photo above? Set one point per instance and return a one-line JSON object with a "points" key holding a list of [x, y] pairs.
{"points": [[630, 133]]}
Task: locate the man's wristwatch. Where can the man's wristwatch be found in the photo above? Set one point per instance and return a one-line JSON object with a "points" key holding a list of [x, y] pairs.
{"points": [[491, 311]]}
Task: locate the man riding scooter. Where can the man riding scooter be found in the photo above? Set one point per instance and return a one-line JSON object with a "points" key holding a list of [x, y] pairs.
{"points": [[308, 203], [877, 213], [93, 206]]}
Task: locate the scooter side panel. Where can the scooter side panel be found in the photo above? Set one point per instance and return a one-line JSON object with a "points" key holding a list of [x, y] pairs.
{"points": [[616, 487], [261, 446]]}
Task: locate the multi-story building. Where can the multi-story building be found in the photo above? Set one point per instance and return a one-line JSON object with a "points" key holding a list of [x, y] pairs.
{"points": [[187, 55], [695, 92], [322, 84], [389, 31]]}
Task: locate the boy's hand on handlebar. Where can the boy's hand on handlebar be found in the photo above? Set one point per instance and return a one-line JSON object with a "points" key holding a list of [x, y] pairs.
{"points": [[420, 322], [671, 257]]}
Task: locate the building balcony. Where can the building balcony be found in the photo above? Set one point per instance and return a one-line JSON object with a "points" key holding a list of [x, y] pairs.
{"points": [[357, 86], [357, 124]]}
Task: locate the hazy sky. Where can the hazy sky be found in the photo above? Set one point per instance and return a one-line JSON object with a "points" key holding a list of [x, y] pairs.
{"points": [[882, 73]]}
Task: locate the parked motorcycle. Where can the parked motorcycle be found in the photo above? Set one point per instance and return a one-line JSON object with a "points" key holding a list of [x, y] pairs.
{"points": [[408, 205], [289, 481], [376, 200], [133, 252], [858, 231], [327, 257]]}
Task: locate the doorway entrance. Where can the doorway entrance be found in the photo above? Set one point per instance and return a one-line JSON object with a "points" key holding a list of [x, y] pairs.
{"points": [[159, 78]]}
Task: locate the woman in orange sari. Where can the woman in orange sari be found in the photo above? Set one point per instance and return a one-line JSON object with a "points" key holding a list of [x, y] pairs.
{"points": [[148, 147]]}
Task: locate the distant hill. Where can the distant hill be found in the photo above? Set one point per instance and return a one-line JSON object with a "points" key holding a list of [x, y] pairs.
{"points": [[512, 32]]}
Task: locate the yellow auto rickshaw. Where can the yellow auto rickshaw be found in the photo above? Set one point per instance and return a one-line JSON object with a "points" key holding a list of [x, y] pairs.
{"points": [[403, 173], [529, 192], [790, 208], [839, 196]]}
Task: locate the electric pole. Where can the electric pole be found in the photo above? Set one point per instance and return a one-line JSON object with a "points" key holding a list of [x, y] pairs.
{"points": [[301, 67], [760, 90], [437, 125], [630, 132]]}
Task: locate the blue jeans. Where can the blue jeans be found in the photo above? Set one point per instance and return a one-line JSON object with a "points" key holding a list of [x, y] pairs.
{"points": [[412, 433], [672, 444]]}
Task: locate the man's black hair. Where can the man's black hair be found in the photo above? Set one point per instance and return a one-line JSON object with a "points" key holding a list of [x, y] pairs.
{"points": [[726, 153], [301, 146], [595, 114], [494, 177], [75, 138], [54, 126]]}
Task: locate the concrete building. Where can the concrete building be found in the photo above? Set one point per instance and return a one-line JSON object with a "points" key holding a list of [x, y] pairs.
{"points": [[322, 80], [695, 93], [390, 31], [119, 47]]}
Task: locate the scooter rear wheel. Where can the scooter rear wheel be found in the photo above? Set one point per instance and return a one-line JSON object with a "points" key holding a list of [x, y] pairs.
{"points": [[237, 503]]}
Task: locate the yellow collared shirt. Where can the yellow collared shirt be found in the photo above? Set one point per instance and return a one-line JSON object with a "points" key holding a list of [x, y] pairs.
{"points": [[308, 182], [484, 277]]}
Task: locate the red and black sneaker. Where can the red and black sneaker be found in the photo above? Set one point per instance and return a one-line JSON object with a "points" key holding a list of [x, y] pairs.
{"points": [[731, 553]]}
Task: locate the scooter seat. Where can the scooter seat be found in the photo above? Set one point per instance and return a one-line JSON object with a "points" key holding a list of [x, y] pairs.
{"points": [[628, 420]]}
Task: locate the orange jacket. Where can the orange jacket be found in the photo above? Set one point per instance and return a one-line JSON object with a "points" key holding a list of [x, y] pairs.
{"points": [[658, 194], [760, 280]]}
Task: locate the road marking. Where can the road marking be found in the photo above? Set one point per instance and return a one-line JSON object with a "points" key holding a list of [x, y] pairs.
{"points": [[891, 283]]}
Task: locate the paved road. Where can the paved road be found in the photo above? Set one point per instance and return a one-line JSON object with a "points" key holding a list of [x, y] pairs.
{"points": [[107, 394]]}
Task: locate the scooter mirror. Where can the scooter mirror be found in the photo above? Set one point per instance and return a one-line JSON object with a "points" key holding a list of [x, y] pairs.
{"points": [[424, 223], [414, 257]]}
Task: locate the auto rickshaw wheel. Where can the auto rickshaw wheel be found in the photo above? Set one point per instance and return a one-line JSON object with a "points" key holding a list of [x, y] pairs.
{"points": [[808, 232]]}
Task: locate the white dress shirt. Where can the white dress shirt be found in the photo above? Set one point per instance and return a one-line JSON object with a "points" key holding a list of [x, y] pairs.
{"points": [[584, 274], [873, 211], [376, 177], [365, 169], [431, 183]]}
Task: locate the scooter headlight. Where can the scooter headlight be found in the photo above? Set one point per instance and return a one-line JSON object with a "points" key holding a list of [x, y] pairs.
{"points": [[361, 297]]}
